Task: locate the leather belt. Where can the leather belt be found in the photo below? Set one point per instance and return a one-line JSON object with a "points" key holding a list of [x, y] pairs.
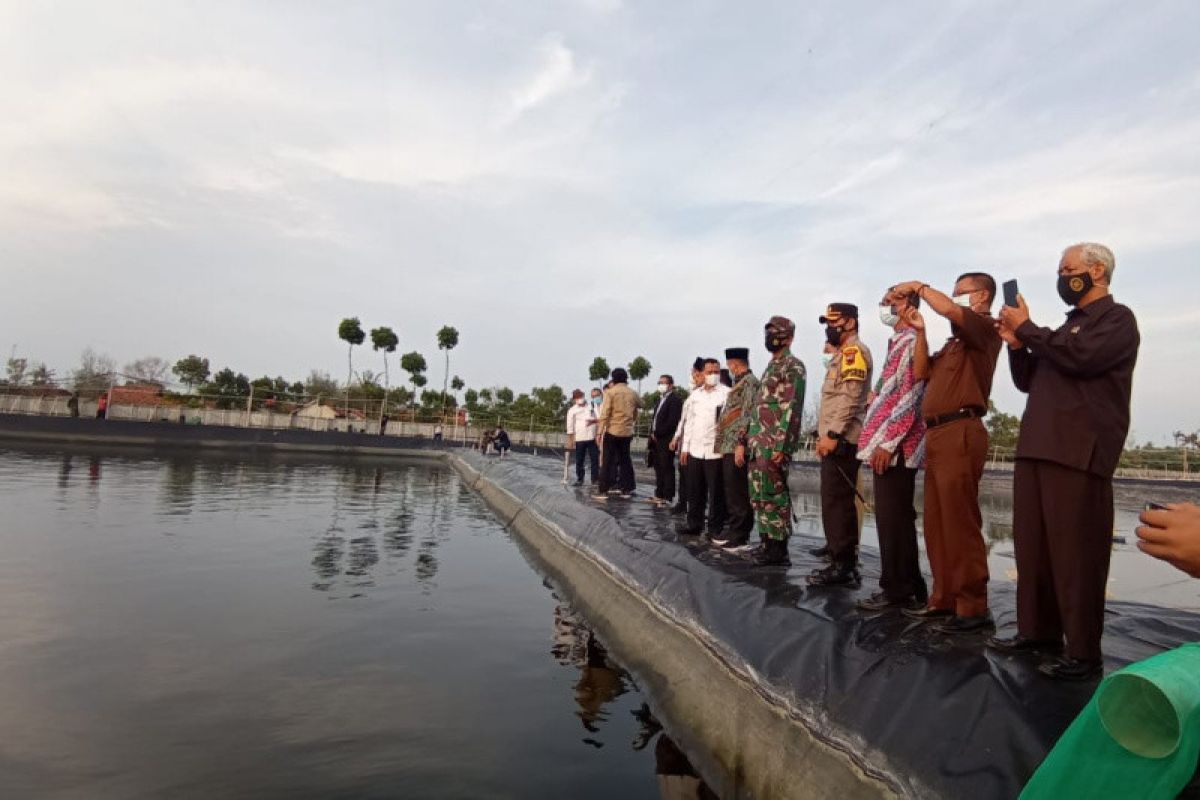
{"points": [[953, 416]]}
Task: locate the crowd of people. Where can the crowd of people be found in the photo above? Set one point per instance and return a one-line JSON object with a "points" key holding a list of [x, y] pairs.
{"points": [[734, 440]]}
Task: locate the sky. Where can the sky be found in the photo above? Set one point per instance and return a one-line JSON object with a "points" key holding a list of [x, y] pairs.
{"points": [[561, 180]]}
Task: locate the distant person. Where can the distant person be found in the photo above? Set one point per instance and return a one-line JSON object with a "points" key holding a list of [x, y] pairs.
{"points": [[839, 424], [771, 440], [1079, 378], [485, 441], [614, 430], [102, 407], [73, 404], [581, 436], [698, 447], [437, 433], [1172, 534], [956, 445], [663, 422], [503, 443], [893, 446], [731, 436], [383, 421], [697, 380]]}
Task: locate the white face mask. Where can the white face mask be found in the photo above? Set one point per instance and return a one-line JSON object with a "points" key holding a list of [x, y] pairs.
{"points": [[664, 387], [712, 380], [581, 402], [963, 300], [888, 317], [827, 360]]}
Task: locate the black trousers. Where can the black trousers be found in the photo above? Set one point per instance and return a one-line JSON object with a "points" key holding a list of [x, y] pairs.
{"points": [[896, 520], [839, 514], [705, 493], [590, 451], [684, 486], [664, 470], [1062, 535], [736, 482], [617, 470]]}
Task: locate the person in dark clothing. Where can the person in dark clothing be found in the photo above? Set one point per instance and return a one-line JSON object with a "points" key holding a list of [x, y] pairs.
{"points": [[731, 433], [503, 443], [663, 421], [1079, 379]]}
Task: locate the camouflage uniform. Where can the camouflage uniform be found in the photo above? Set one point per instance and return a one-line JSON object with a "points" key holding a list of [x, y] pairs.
{"points": [[775, 428]]}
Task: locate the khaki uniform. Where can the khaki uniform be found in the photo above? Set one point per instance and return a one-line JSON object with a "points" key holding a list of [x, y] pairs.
{"points": [[842, 412]]}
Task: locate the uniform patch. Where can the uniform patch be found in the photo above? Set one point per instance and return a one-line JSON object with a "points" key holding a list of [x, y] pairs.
{"points": [[853, 364]]}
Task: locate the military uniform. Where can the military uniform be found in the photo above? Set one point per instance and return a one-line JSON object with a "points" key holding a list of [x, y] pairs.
{"points": [[840, 417], [775, 428], [731, 431]]}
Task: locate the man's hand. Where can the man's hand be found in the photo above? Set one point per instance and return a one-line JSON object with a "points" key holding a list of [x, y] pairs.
{"points": [[674, 445], [1173, 536], [914, 319], [881, 459], [826, 445], [739, 455], [906, 288], [683, 458], [1009, 336], [1013, 318]]}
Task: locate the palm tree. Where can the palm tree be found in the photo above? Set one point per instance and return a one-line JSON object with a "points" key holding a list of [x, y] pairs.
{"points": [[447, 339], [384, 339], [351, 332]]}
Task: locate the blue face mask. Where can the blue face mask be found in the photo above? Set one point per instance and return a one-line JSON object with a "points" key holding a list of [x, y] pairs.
{"points": [[596, 401]]}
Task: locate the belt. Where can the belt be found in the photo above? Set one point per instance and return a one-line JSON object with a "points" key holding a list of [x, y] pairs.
{"points": [[953, 416]]}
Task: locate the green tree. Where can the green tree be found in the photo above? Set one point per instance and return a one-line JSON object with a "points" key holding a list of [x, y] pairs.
{"points": [[598, 370], [191, 371], [94, 373], [350, 331], [1002, 428], [384, 339], [229, 389], [447, 339], [639, 368], [414, 364], [320, 384], [471, 400]]}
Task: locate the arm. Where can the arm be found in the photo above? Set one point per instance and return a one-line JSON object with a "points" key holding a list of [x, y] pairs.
{"points": [[1022, 364], [1113, 339], [941, 304], [920, 351]]}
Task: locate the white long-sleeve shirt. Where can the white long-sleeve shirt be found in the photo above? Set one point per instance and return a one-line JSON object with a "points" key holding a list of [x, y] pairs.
{"points": [[581, 421], [697, 430]]}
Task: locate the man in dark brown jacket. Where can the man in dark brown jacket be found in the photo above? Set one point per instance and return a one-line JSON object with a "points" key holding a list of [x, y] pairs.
{"points": [[1079, 378]]}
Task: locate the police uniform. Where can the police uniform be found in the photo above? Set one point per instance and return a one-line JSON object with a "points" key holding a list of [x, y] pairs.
{"points": [[840, 417], [774, 431]]}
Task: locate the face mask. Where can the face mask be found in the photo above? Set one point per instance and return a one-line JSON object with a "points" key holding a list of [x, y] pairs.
{"points": [[963, 300], [664, 387], [596, 401], [712, 380], [827, 360], [581, 402], [833, 335], [773, 342], [888, 317], [1072, 288]]}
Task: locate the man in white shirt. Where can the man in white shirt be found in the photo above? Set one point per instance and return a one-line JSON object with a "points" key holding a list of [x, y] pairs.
{"points": [[698, 450], [581, 432]]}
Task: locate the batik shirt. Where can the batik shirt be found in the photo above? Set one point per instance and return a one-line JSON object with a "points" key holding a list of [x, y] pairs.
{"points": [[894, 420], [739, 405], [775, 420]]}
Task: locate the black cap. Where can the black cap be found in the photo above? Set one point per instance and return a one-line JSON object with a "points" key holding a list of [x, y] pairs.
{"points": [[698, 364], [739, 353], [837, 311]]}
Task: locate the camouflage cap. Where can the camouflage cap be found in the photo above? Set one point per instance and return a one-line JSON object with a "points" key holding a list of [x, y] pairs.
{"points": [[780, 324], [837, 311]]}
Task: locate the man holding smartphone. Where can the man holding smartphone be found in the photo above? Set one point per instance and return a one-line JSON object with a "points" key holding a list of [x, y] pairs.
{"points": [[1079, 378]]}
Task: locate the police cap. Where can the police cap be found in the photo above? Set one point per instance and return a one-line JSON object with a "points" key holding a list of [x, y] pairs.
{"points": [[836, 312]]}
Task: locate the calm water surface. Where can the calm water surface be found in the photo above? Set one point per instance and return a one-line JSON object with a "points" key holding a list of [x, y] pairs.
{"points": [[176, 626]]}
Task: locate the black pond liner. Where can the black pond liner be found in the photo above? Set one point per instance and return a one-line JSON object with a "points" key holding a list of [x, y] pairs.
{"points": [[937, 716]]}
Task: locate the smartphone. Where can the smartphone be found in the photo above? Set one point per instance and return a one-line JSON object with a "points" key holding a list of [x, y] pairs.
{"points": [[1010, 293], [1156, 507]]}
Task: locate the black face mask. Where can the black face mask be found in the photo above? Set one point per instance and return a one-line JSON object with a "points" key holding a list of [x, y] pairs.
{"points": [[774, 343], [1072, 288], [833, 335]]}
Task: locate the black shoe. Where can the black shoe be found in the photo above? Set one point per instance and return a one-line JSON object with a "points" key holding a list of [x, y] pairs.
{"points": [[881, 602], [684, 530], [957, 625], [1023, 644], [720, 540], [679, 508], [1072, 669], [733, 542], [927, 613], [819, 552], [834, 575], [774, 553]]}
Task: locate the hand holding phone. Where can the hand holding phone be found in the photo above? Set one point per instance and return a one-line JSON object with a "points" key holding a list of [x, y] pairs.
{"points": [[1010, 293]]}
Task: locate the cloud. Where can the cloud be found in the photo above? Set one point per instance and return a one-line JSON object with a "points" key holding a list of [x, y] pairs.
{"points": [[557, 74]]}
